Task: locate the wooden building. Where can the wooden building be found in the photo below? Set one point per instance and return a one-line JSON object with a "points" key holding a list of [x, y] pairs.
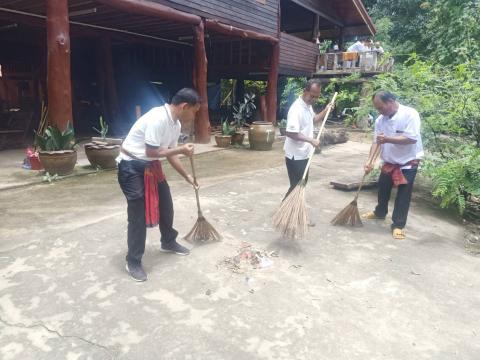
{"points": [[87, 58]]}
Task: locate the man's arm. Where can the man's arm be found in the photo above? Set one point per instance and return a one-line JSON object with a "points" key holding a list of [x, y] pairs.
{"points": [[158, 152], [398, 140], [300, 137]]}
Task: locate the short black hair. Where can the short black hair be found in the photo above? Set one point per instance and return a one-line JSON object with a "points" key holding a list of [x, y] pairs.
{"points": [[385, 96], [312, 82], [186, 95]]}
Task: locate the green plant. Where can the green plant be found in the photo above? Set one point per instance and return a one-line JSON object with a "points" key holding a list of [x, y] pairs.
{"points": [[226, 128], [244, 111], [282, 124], [103, 128], [55, 140]]}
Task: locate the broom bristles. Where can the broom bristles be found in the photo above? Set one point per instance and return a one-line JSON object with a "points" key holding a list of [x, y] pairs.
{"points": [[348, 216], [291, 218], [202, 232]]}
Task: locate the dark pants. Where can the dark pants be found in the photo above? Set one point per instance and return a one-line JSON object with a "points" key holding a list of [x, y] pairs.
{"points": [[402, 201], [130, 178], [295, 169]]}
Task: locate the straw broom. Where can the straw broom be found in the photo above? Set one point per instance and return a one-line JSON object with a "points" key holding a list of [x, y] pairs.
{"points": [[291, 218], [202, 231], [350, 215]]}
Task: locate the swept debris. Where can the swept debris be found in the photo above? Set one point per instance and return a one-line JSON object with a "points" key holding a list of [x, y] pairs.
{"points": [[248, 258]]}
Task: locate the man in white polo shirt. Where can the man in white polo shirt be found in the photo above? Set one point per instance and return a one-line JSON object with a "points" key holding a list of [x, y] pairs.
{"points": [[300, 141], [397, 132], [154, 137]]}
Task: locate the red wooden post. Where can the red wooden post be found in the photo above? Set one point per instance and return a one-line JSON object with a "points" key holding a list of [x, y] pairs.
{"points": [[58, 67], [272, 84], [202, 122]]}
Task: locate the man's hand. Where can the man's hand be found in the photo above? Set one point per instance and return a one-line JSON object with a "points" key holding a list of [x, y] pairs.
{"points": [[187, 149], [382, 139], [368, 168], [192, 182], [315, 143]]}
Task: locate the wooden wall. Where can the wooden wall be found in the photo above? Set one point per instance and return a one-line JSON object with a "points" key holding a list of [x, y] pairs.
{"points": [[297, 57], [260, 15]]}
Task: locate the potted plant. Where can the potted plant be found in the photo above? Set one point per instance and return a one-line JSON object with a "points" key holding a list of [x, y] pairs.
{"points": [[57, 150], [282, 126], [241, 114], [224, 139], [102, 151]]}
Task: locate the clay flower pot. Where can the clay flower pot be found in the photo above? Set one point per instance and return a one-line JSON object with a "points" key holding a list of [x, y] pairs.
{"points": [[58, 162], [223, 141], [237, 138], [283, 131], [103, 152]]}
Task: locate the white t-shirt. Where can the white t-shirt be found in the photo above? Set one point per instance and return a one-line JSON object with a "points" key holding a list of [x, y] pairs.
{"points": [[405, 122], [357, 47], [155, 128], [299, 120]]}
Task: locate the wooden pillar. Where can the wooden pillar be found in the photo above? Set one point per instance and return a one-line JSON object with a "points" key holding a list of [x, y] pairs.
{"points": [[58, 67], [202, 122], [272, 84]]}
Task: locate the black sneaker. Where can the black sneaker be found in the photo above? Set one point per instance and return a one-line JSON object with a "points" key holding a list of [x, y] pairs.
{"points": [[174, 247], [136, 272]]}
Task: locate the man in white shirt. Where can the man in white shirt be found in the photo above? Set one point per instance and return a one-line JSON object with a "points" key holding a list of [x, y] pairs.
{"points": [[154, 137], [360, 46], [397, 132], [300, 142]]}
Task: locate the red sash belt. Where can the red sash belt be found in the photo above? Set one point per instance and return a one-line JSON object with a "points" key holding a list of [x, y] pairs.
{"points": [[395, 171], [152, 176]]}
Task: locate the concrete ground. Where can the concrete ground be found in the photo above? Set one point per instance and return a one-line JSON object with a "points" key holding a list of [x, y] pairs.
{"points": [[342, 293]]}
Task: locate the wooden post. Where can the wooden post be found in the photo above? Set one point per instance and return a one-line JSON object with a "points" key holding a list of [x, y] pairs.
{"points": [[110, 91], [272, 84], [202, 122], [58, 68]]}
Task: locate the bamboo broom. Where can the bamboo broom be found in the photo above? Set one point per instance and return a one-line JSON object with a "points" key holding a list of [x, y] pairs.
{"points": [[202, 231]]}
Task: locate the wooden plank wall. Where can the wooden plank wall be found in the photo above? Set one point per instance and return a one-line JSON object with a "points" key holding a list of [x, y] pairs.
{"points": [[260, 15], [297, 56]]}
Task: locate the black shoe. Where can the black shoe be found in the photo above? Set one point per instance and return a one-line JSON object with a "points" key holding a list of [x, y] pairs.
{"points": [[174, 247], [136, 272]]}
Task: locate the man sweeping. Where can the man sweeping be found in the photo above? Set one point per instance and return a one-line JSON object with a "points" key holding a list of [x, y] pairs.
{"points": [[300, 141], [397, 132], [152, 138]]}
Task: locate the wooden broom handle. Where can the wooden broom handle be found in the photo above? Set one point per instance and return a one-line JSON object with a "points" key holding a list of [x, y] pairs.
{"points": [[196, 188], [375, 156], [332, 102]]}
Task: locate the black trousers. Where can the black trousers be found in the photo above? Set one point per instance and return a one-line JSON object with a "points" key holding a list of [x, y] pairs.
{"points": [[130, 178], [295, 169], [402, 201]]}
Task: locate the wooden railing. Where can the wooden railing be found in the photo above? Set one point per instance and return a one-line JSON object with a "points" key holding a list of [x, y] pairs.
{"points": [[349, 62]]}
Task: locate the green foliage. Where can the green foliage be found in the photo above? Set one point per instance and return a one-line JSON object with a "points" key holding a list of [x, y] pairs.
{"points": [[457, 179], [256, 87], [244, 111], [282, 124], [226, 128], [103, 128], [55, 140], [293, 89]]}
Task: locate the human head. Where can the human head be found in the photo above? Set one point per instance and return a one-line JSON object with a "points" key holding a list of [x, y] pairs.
{"points": [[385, 102], [186, 103], [312, 91], [367, 42]]}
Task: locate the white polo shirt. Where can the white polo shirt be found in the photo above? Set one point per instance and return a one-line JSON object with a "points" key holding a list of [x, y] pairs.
{"points": [[155, 128], [357, 47], [299, 120], [405, 122]]}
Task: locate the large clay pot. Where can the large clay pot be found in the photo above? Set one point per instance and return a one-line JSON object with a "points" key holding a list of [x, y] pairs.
{"points": [[237, 138], [58, 162], [102, 156], [223, 141], [261, 135]]}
